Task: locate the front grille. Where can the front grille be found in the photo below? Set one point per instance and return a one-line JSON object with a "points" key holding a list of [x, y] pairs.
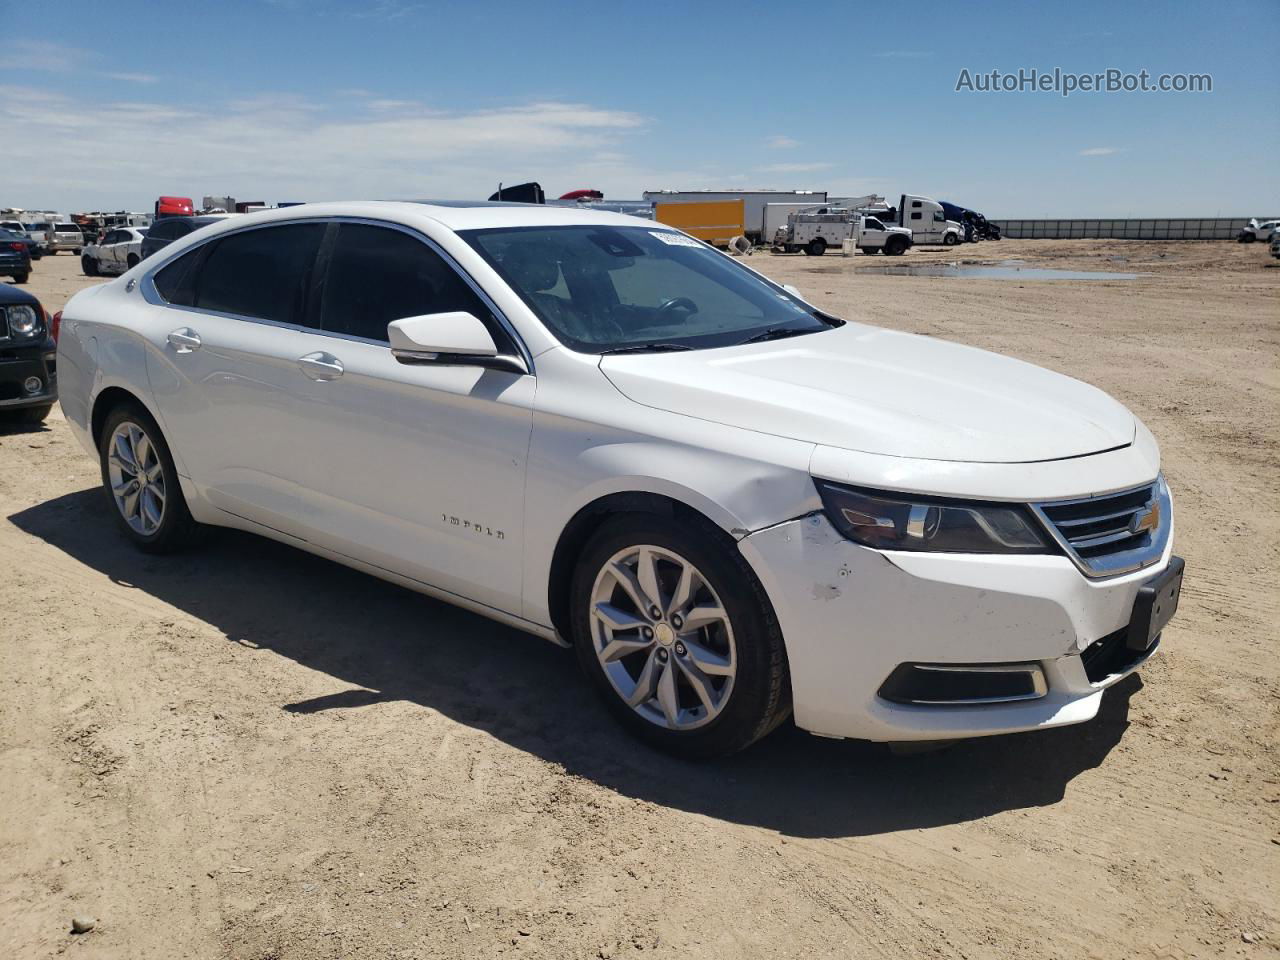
{"points": [[1113, 533]]}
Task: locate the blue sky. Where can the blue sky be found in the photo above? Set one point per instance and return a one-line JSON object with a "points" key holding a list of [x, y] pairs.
{"points": [[104, 106]]}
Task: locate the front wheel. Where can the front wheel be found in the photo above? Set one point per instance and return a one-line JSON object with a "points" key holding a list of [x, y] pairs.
{"points": [[21, 277], [678, 637], [89, 266], [141, 482], [1247, 238], [950, 240], [895, 247], [30, 415]]}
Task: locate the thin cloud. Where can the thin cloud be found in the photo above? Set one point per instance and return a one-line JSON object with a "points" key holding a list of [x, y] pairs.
{"points": [[779, 142], [794, 167], [133, 77], [1100, 151], [904, 54], [406, 153]]}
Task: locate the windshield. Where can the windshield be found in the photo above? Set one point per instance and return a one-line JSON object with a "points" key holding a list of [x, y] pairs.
{"points": [[66, 228], [604, 288]]}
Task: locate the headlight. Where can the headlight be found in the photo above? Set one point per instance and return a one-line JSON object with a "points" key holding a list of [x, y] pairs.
{"points": [[890, 521], [24, 321]]}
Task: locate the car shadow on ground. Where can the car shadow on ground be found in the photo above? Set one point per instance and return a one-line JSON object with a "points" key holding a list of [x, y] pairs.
{"points": [[391, 644]]}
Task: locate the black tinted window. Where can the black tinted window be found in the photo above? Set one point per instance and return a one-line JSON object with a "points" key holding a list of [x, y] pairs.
{"points": [[173, 282], [260, 273], [377, 275], [162, 230]]}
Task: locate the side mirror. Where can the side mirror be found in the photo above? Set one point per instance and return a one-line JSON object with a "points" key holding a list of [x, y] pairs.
{"points": [[457, 338]]}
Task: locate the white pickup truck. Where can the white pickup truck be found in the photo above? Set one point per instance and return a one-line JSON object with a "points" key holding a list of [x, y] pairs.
{"points": [[813, 231], [120, 250]]}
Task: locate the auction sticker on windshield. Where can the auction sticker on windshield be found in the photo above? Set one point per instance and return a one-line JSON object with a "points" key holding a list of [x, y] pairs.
{"points": [[675, 239]]}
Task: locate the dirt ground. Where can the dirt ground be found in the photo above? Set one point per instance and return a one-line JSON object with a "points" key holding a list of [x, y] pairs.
{"points": [[247, 752]]}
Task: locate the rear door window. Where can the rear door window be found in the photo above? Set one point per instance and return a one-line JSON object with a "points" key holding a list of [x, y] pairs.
{"points": [[377, 274], [263, 273]]}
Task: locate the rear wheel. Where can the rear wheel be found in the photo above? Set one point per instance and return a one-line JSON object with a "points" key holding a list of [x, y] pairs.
{"points": [[21, 277], [141, 482], [89, 265], [678, 637], [817, 247]]}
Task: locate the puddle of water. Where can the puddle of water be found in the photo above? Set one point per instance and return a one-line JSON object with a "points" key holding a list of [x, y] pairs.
{"points": [[1003, 270]]}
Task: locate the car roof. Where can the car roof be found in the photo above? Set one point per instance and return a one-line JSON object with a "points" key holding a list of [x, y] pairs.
{"points": [[453, 214]]}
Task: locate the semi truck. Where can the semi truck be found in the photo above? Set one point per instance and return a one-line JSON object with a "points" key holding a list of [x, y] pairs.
{"points": [[819, 228], [927, 221]]}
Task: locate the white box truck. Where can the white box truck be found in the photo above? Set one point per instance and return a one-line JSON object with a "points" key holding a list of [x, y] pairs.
{"points": [[753, 203]]}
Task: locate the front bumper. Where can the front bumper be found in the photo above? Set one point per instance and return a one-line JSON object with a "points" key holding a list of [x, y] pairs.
{"points": [[850, 616], [19, 363]]}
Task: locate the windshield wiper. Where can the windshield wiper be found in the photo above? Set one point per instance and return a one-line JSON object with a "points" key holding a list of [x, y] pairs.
{"points": [[776, 333], [645, 348]]}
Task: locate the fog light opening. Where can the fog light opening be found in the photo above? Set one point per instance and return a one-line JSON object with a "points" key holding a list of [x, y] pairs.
{"points": [[32, 385]]}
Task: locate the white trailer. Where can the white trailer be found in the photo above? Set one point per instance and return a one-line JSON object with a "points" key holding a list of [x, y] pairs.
{"points": [[753, 203]]}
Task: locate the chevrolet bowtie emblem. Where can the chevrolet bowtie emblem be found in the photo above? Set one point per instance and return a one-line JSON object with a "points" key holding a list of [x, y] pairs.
{"points": [[1147, 519]]}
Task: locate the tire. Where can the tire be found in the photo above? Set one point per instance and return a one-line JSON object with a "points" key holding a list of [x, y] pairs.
{"points": [[76, 251], [176, 528], [741, 705], [817, 247], [89, 266], [895, 247], [21, 277], [29, 415], [1247, 238], [950, 240], [133, 260], [870, 251]]}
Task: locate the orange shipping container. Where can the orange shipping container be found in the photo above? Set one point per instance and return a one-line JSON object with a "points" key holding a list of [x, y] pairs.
{"points": [[713, 221]]}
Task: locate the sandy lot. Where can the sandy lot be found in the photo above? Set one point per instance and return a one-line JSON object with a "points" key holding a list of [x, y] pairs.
{"points": [[247, 752]]}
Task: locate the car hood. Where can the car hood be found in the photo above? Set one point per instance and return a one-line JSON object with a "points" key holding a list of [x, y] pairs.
{"points": [[879, 391]]}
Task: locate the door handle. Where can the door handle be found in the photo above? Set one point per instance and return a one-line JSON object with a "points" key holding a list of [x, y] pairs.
{"points": [[321, 366], [185, 340]]}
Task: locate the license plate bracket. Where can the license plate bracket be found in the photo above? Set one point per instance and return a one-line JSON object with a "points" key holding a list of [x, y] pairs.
{"points": [[1155, 605]]}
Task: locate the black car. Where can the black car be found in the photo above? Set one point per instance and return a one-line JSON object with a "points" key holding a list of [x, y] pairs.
{"points": [[15, 256], [28, 358], [168, 229]]}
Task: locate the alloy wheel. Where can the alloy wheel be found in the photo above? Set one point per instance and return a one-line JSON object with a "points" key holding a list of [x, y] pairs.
{"points": [[663, 637], [137, 478]]}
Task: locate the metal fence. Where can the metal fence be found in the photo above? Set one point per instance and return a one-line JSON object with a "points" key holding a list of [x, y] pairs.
{"points": [[1210, 228]]}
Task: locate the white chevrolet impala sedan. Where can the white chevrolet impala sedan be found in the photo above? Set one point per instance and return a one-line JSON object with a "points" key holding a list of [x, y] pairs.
{"points": [[734, 506]]}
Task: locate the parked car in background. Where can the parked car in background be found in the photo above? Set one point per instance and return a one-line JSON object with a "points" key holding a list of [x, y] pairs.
{"points": [[120, 250], [28, 372], [18, 228], [1253, 230], [1275, 243], [602, 431], [164, 232], [64, 236], [15, 256], [39, 232]]}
